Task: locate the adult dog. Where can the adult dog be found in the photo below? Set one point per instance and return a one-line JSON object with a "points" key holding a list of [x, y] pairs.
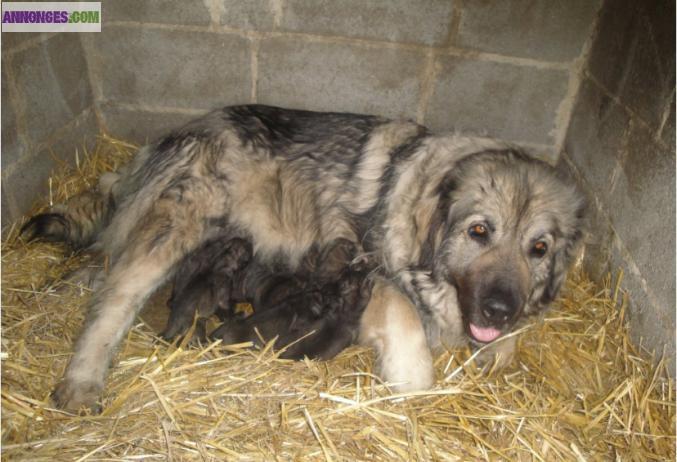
{"points": [[469, 231]]}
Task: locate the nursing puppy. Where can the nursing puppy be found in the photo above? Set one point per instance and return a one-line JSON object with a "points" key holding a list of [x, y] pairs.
{"points": [[473, 232], [204, 285], [326, 294], [318, 322]]}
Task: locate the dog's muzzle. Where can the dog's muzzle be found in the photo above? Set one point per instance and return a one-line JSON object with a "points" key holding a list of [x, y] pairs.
{"points": [[496, 310]]}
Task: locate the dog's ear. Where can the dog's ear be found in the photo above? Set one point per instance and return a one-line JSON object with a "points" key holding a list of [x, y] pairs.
{"points": [[432, 238], [563, 258], [446, 187], [436, 211], [558, 271]]}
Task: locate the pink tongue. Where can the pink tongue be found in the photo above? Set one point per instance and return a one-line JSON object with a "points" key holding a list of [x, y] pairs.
{"points": [[484, 334]]}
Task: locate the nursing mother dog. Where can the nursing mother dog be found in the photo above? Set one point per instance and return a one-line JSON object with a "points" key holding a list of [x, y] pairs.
{"points": [[469, 234]]}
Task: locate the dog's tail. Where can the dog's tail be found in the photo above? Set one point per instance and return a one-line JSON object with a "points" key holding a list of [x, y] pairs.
{"points": [[78, 222]]}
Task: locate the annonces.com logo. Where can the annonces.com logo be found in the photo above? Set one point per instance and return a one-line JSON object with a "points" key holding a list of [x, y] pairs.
{"points": [[51, 17]]}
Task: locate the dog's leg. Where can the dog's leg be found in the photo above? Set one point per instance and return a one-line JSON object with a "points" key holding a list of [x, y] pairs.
{"points": [[391, 325], [155, 245], [439, 302]]}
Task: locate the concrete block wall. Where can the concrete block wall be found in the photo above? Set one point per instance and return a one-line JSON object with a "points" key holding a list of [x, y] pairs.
{"points": [[47, 111], [500, 68], [621, 145]]}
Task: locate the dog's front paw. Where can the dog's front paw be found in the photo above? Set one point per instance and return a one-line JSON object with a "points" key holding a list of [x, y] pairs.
{"points": [[406, 376], [75, 396]]}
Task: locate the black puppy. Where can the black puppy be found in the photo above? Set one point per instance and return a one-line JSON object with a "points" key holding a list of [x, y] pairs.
{"points": [[325, 295], [318, 322], [203, 283]]}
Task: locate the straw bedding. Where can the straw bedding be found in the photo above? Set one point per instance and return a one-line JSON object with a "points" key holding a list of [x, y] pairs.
{"points": [[579, 389]]}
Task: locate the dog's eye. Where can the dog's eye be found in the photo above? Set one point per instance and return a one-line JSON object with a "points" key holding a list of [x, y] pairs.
{"points": [[478, 231], [539, 249]]}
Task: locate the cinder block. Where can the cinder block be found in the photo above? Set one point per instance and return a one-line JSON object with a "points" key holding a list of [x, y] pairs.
{"points": [[11, 147], [248, 15], [634, 55], [668, 133], [651, 73], [610, 50], [30, 182], [53, 82], [599, 235], [185, 12], [28, 179], [339, 77], [426, 22], [173, 68], [653, 324], [598, 240], [512, 102], [10, 40], [139, 126], [540, 29], [642, 210], [6, 215], [596, 137]]}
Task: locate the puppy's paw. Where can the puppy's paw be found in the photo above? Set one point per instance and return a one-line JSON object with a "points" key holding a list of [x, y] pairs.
{"points": [[76, 397]]}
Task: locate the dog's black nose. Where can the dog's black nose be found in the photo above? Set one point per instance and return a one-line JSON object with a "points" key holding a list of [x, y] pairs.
{"points": [[497, 311], [501, 303]]}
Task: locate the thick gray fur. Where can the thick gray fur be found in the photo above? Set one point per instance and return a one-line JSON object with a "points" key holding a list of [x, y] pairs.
{"points": [[289, 180]]}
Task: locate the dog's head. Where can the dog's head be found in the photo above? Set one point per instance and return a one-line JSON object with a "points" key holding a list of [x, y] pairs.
{"points": [[506, 230]]}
